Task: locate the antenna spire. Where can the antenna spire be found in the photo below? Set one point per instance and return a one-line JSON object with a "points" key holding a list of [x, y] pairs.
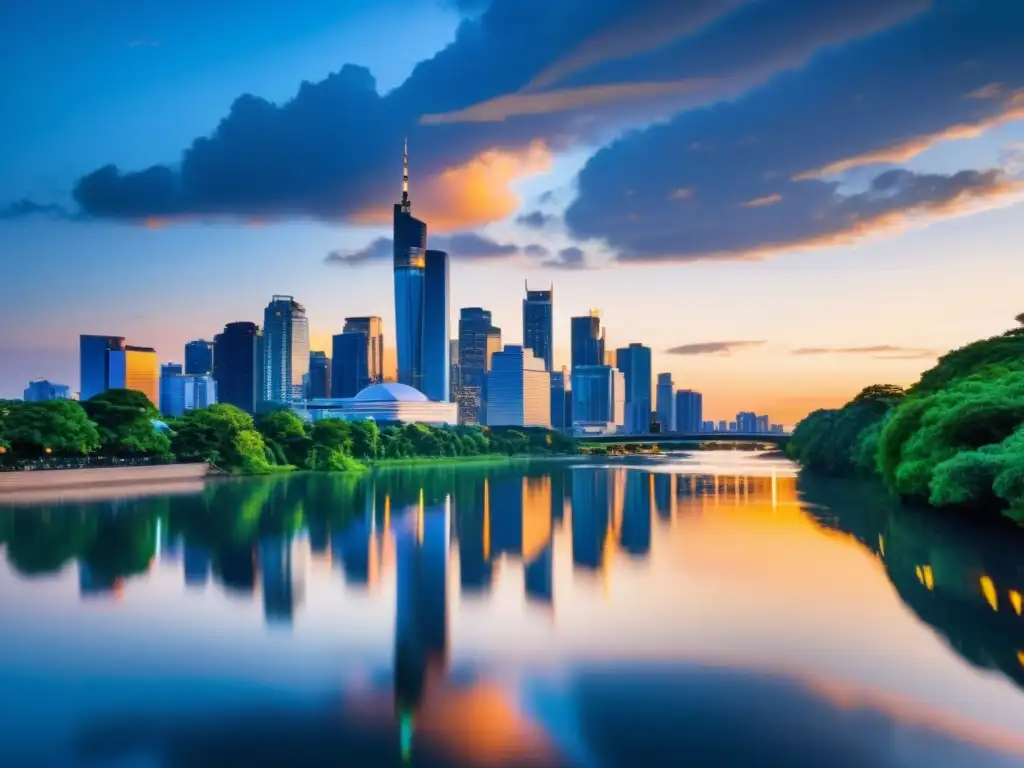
{"points": [[405, 176]]}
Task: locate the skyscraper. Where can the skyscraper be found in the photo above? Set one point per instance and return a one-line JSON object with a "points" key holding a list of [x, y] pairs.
{"points": [[598, 398], [170, 394], [285, 349], [373, 327], [635, 363], [94, 363], [319, 375], [182, 392], [587, 340], [478, 341], [455, 375], [410, 242], [350, 363], [538, 331], [41, 389], [238, 366], [746, 421], [561, 399], [665, 402], [436, 328], [136, 368], [689, 411], [199, 357], [518, 389]]}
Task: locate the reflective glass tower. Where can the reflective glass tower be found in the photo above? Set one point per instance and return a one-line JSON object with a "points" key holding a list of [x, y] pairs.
{"points": [[285, 349], [635, 363], [94, 363], [373, 327], [538, 330], [478, 341], [436, 327], [410, 242], [237, 365], [199, 357], [587, 340]]}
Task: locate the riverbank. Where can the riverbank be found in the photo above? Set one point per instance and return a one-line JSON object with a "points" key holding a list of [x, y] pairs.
{"points": [[52, 480]]}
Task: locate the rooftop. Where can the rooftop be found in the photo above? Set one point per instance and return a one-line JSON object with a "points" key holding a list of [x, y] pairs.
{"points": [[390, 392]]}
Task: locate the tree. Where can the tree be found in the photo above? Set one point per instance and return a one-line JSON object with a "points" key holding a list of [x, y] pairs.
{"points": [[58, 427], [222, 435], [124, 419], [365, 439], [285, 433]]}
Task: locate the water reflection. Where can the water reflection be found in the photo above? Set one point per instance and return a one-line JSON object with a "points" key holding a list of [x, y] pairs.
{"points": [[705, 576]]}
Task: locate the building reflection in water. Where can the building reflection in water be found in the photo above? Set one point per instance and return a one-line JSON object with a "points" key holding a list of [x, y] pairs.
{"points": [[635, 536], [196, 566], [591, 508], [282, 579]]}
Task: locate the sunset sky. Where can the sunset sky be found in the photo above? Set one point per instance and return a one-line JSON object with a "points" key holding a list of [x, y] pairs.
{"points": [[786, 199]]}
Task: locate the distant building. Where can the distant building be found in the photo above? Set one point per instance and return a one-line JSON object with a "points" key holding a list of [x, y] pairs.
{"points": [[455, 376], [635, 363], [350, 355], [777, 429], [185, 393], [171, 395], [373, 327], [665, 402], [723, 426], [598, 399], [518, 389], [41, 389], [587, 340], [136, 368], [746, 421], [479, 339], [238, 366], [436, 328], [538, 333], [762, 424], [94, 363], [689, 411], [561, 399], [199, 357], [382, 403], [708, 426], [319, 381], [732, 426], [285, 349]]}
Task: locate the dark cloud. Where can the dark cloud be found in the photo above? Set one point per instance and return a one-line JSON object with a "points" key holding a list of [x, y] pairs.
{"points": [[568, 258], [25, 207], [536, 219], [757, 169], [881, 351], [332, 152], [712, 347], [461, 245]]}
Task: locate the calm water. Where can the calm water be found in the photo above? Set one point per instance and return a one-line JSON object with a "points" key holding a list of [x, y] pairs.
{"points": [[712, 609]]}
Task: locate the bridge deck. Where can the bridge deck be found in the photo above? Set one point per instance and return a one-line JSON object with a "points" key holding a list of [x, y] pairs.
{"points": [[661, 438]]}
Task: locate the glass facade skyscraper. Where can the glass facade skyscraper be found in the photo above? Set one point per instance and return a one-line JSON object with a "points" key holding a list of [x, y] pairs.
{"points": [[635, 363], [598, 397], [561, 399], [170, 393], [350, 356], [319, 375], [479, 339], [373, 327], [538, 333], [436, 327], [665, 402], [285, 350], [136, 368], [410, 243], [238, 366], [94, 363], [587, 340], [518, 389], [689, 411], [199, 357]]}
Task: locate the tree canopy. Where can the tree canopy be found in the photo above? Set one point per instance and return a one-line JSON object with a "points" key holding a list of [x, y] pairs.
{"points": [[124, 419]]}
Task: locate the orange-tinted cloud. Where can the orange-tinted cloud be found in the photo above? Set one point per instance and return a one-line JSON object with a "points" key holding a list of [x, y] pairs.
{"points": [[473, 194], [763, 201]]}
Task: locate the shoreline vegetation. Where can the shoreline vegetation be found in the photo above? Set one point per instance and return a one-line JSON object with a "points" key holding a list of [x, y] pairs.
{"points": [[952, 441], [115, 428]]}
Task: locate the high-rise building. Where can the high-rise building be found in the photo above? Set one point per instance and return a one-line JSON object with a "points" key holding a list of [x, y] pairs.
{"points": [[723, 425], [635, 363], [182, 392], [436, 327], [598, 398], [94, 363], [171, 402], [587, 340], [238, 366], [199, 357], [455, 375], [689, 411], [410, 243], [136, 368], [763, 424], [41, 389], [666, 402], [319, 375], [350, 363], [478, 341], [285, 349], [373, 327], [708, 426], [746, 421], [518, 389], [538, 328], [561, 399]]}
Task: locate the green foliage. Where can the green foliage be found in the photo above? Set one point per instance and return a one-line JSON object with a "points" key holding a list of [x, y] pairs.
{"points": [[124, 420], [285, 433], [222, 435], [57, 427], [1004, 350]]}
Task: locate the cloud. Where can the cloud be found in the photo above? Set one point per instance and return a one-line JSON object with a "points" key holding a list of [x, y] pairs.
{"points": [[712, 347], [536, 219], [880, 351], [461, 245], [380, 249], [26, 207], [568, 258], [859, 103]]}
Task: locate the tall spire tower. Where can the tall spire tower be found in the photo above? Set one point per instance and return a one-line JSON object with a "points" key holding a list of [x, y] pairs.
{"points": [[410, 245], [406, 205]]}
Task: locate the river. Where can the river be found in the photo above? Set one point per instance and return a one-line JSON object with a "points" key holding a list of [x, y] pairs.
{"points": [[709, 608]]}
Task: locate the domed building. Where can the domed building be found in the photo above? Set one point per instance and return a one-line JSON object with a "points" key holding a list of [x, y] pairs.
{"points": [[387, 402]]}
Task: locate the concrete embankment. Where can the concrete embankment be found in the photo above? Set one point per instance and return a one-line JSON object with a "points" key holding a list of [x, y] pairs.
{"points": [[36, 484]]}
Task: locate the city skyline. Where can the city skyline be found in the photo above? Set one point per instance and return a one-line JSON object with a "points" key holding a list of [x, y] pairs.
{"points": [[761, 301]]}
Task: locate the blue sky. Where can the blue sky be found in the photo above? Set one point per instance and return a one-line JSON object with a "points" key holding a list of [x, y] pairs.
{"points": [[844, 195]]}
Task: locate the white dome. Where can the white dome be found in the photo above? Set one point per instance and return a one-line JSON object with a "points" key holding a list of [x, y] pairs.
{"points": [[390, 393]]}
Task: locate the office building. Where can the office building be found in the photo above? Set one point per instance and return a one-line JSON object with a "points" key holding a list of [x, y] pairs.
{"points": [[763, 424], [410, 242], [518, 389], [94, 363], [373, 327], [665, 402], [285, 349], [454, 375], [598, 399], [723, 426], [689, 411], [171, 402], [538, 329], [746, 421], [587, 340], [479, 339], [199, 357], [708, 426], [136, 368], [238, 366], [181, 392], [436, 327], [41, 389], [561, 399], [635, 363], [319, 381], [350, 358]]}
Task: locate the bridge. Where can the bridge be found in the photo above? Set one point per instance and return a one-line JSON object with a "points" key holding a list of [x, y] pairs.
{"points": [[778, 439]]}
